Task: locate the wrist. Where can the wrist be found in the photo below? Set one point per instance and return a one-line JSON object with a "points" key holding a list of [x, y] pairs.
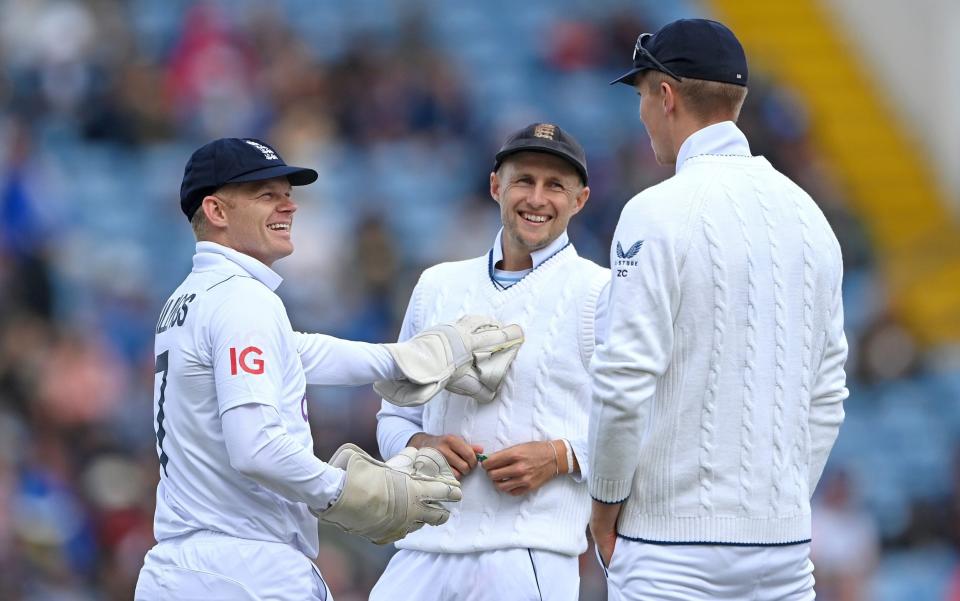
{"points": [[419, 440], [560, 455]]}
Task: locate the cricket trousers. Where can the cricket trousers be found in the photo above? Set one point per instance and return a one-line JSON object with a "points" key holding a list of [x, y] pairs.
{"points": [[641, 571], [499, 575], [210, 566]]}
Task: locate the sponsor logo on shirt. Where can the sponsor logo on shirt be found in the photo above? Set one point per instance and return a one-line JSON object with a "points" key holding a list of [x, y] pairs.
{"points": [[624, 257], [242, 360]]}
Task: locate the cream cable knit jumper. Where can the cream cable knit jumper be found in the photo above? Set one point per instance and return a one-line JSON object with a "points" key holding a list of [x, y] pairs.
{"points": [[545, 395], [718, 392]]}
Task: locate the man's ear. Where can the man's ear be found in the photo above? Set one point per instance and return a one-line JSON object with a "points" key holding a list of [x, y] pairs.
{"points": [[669, 96], [582, 198], [212, 209], [495, 186]]}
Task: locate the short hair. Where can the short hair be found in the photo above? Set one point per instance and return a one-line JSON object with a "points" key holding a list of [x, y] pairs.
{"points": [[199, 222], [705, 99]]}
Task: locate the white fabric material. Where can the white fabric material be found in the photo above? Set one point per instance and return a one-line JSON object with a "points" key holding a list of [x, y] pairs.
{"points": [[226, 342], [330, 361], [545, 396], [536, 257], [509, 278], [644, 572], [260, 448], [502, 575], [718, 392], [210, 566], [721, 139]]}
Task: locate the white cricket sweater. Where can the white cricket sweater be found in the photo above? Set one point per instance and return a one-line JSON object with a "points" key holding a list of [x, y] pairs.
{"points": [[718, 390], [545, 395]]}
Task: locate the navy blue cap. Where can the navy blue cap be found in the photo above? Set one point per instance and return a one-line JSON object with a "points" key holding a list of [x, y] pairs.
{"points": [[694, 48], [545, 137], [233, 161]]}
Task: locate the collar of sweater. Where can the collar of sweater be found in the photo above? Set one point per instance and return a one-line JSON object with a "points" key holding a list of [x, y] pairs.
{"points": [[498, 295], [537, 256], [211, 255], [723, 138]]}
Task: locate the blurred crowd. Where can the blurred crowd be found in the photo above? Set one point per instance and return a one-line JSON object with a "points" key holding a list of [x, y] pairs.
{"points": [[400, 106]]}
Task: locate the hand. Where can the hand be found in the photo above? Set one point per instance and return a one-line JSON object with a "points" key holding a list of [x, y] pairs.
{"points": [[523, 468], [603, 528], [384, 504], [472, 354], [461, 455]]}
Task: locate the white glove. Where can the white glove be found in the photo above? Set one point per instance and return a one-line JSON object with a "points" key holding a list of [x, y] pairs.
{"points": [[382, 503], [472, 354], [484, 377], [426, 462]]}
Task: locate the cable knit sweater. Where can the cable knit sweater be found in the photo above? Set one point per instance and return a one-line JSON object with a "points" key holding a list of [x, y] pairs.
{"points": [[545, 395], [718, 391]]}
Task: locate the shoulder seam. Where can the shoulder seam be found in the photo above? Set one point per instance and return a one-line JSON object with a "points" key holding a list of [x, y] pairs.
{"points": [[236, 275]]}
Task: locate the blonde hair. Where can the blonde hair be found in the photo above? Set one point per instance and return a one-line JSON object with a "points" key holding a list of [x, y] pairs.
{"points": [[706, 100]]}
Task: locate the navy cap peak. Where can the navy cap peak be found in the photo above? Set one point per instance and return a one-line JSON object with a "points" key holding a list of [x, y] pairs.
{"points": [[694, 48], [230, 161]]}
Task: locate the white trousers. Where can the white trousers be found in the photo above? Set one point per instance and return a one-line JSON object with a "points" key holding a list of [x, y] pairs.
{"points": [[209, 566], [501, 575], [648, 572]]}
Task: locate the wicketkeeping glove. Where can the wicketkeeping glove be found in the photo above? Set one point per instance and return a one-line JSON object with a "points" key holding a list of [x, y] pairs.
{"points": [[470, 356], [383, 503]]}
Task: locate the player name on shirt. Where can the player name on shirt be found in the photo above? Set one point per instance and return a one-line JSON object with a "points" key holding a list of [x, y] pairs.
{"points": [[174, 312]]}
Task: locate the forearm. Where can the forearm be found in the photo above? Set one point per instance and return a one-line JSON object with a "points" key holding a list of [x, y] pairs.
{"points": [[260, 448], [332, 361], [395, 428]]}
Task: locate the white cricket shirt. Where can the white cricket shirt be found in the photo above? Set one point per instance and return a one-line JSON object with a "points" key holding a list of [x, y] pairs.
{"points": [[224, 344]]}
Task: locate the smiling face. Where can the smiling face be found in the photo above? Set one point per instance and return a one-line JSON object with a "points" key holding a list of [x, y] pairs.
{"points": [[255, 218], [538, 193]]}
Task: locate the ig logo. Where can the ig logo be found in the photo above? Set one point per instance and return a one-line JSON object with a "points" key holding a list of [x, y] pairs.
{"points": [[251, 366]]}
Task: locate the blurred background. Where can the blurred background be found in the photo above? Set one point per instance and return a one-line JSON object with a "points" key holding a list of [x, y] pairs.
{"points": [[400, 105]]}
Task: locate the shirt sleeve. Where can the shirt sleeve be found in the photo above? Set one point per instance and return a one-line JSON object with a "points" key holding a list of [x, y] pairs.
{"points": [[260, 448], [332, 361], [396, 425], [602, 318], [636, 350], [829, 392], [247, 344]]}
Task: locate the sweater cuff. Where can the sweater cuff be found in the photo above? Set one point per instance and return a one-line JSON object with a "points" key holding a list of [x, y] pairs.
{"points": [[609, 491]]}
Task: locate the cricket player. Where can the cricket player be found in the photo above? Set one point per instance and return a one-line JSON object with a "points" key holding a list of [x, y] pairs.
{"points": [[718, 390], [522, 522], [240, 490]]}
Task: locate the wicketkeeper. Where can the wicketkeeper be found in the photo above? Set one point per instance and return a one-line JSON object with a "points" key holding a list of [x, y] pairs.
{"points": [[240, 490]]}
